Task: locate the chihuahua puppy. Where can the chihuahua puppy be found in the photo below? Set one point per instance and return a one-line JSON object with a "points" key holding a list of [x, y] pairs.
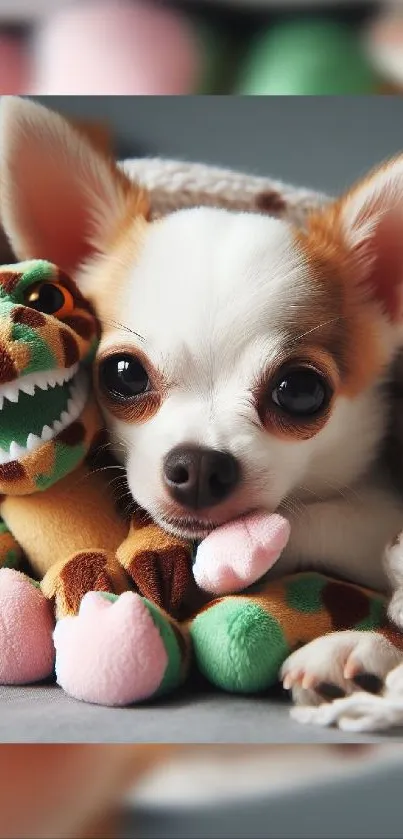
{"points": [[244, 364]]}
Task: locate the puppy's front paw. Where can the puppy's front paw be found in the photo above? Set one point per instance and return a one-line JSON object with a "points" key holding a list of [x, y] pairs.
{"points": [[339, 664]]}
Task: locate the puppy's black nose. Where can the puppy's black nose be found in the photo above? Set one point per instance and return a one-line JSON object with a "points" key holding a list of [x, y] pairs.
{"points": [[198, 477]]}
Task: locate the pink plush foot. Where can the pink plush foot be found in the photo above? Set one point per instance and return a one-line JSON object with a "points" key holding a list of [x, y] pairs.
{"points": [[111, 653], [236, 555], [27, 653]]}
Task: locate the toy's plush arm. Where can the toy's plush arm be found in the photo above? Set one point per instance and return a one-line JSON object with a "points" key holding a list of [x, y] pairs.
{"points": [[241, 642], [159, 564], [11, 553], [70, 533]]}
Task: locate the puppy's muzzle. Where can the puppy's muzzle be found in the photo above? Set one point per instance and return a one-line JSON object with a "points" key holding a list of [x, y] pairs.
{"points": [[199, 478]]}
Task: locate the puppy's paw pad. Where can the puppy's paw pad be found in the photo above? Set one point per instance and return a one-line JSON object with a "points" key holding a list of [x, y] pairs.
{"points": [[369, 682]]}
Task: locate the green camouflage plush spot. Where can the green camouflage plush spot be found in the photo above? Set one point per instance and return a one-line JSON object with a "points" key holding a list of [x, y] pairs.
{"points": [[376, 617], [12, 558], [304, 593], [33, 271], [172, 675], [109, 595]]}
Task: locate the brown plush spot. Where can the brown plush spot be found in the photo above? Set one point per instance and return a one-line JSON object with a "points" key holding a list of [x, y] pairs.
{"points": [[346, 605], [85, 572], [84, 327], [73, 435], [8, 370], [270, 202], [9, 280], [163, 576], [70, 348], [29, 317], [12, 471]]}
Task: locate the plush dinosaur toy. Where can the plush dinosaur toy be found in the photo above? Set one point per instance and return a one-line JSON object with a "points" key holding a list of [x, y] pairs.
{"points": [[115, 586]]}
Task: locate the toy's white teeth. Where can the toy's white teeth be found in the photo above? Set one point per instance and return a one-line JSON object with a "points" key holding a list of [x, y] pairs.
{"points": [[33, 442], [27, 384], [75, 406]]}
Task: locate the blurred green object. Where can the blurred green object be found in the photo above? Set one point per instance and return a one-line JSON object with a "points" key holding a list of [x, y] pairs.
{"points": [[215, 49], [309, 56]]}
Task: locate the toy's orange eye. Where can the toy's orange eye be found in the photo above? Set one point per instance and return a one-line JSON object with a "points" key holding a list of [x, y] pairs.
{"points": [[51, 299]]}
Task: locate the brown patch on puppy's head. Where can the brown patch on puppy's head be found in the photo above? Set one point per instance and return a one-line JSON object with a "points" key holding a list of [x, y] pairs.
{"points": [[355, 249]]}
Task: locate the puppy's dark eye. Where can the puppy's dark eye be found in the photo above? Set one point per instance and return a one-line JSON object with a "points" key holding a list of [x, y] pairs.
{"points": [[123, 377], [301, 392]]}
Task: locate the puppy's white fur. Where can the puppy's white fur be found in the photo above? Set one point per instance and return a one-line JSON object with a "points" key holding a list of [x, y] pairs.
{"points": [[214, 299], [210, 296]]}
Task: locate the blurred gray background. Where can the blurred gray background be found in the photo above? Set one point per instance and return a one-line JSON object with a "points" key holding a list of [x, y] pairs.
{"points": [[318, 142]]}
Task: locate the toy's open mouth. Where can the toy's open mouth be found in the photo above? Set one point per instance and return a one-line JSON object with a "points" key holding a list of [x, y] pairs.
{"points": [[37, 407]]}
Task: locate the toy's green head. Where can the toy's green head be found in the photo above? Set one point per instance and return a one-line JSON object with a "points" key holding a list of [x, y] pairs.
{"points": [[48, 334]]}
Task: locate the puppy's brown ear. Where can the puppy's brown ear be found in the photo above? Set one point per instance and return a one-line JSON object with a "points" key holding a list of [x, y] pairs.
{"points": [[60, 198], [366, 225]]}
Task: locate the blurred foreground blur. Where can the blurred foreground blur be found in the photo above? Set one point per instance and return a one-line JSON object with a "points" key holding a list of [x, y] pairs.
{"points": [[291, 47], [162, 792]]}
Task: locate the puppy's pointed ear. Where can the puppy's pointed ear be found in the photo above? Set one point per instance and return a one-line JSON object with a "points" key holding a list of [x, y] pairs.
{"points": [[60, 198], [368, 221]]}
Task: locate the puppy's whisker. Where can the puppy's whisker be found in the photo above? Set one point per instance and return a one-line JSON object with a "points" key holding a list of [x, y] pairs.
{"points": [[118, 325], [105, 468], [319, 326]]}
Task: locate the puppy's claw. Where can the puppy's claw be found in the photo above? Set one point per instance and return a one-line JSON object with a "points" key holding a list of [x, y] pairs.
{"points": [[292, 678]]}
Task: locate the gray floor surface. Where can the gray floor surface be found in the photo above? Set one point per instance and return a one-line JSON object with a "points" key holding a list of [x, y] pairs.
{"points": [[45, 714]]}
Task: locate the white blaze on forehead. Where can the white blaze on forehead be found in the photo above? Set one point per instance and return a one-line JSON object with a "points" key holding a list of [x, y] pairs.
{"points": [[211, 282]]}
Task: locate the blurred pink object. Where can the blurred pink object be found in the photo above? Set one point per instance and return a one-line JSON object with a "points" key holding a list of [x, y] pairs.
{"points": [[14, 69], [116, 47]]}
